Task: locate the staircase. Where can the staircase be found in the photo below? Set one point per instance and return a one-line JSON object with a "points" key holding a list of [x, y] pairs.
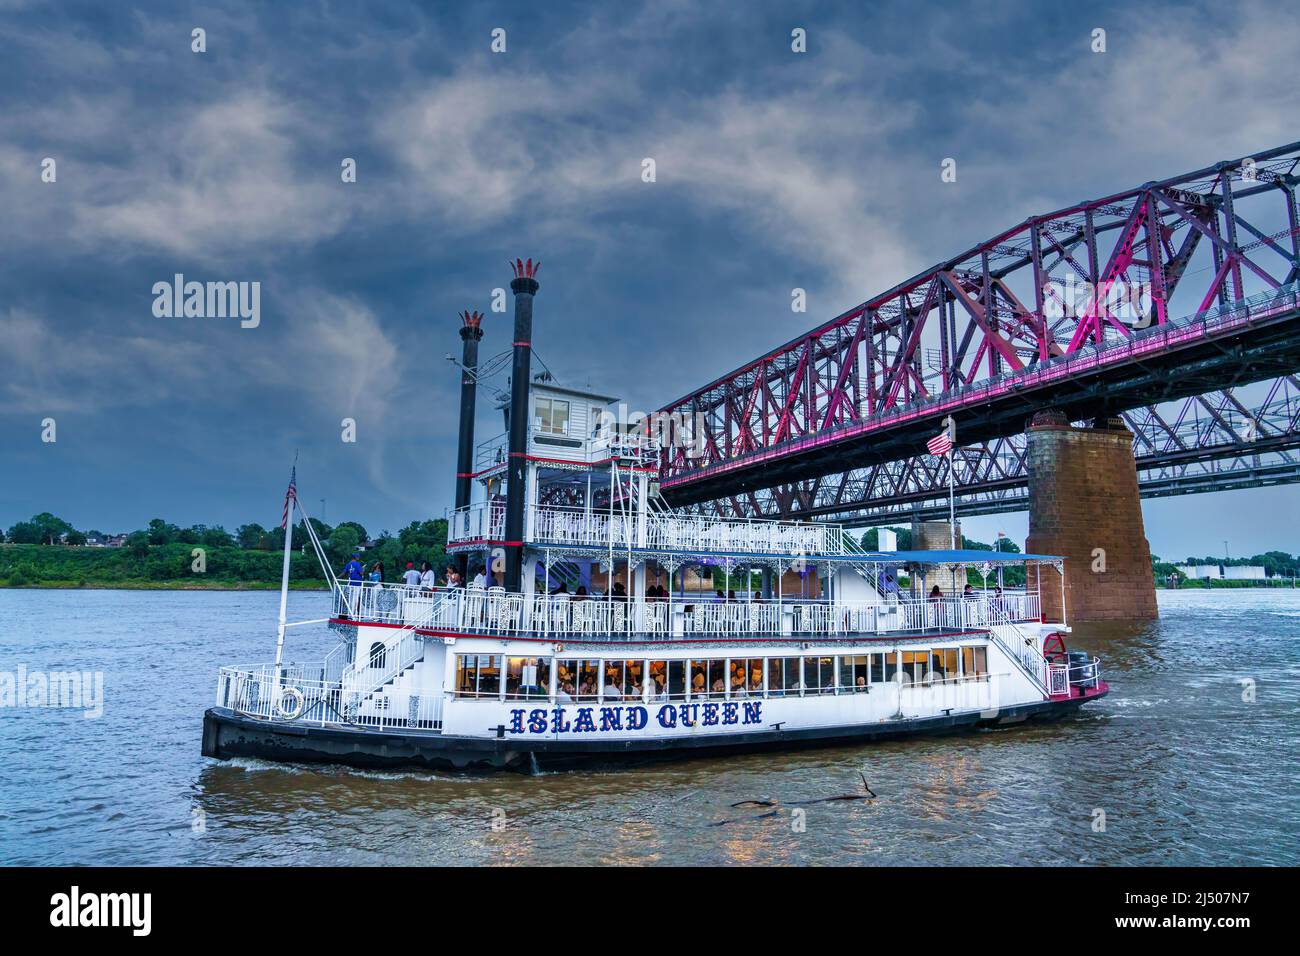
{"points": [[382, 671], [1051, 679]]}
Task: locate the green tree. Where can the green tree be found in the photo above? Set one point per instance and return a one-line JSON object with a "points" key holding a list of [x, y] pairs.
{"points": [[25, 532], [138, 543], [160, 532], [251, 537], [74, 539], [217, 537], [341, 546]]}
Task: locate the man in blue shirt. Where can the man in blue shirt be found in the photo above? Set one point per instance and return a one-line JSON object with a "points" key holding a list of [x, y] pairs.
{"points": [[354, 570]]}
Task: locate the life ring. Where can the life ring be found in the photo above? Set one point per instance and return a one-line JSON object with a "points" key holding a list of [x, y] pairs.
{"points": [[559, 648], [386, 601], [290, 713]]}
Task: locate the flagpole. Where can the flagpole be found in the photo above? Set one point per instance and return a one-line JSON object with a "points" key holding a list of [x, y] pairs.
{"points": [[952, 508], [290, 500]]}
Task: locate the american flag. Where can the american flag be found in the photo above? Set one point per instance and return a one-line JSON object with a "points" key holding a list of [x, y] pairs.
{"points": [[290, 495], [940, 444]]}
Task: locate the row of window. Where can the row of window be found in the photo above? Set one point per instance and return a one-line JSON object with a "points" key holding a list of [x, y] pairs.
{"points": [[594, 679]]}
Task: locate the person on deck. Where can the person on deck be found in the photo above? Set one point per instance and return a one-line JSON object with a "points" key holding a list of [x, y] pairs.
{"points": [[428, 580], [936, 593], [480, 579], [411, 577]]}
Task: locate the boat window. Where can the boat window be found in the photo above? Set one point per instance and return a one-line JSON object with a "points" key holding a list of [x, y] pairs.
{"points": [[916, 665], [943, 662], [974, 661], [709, 678], [552, 416], [528, 677], [819, 675], [566, 677], [614, 680], [478, 675], [633, 678], [751, 676], [783, 676], [853, 673], [677, 679], [657, 672], [589, 678], [891, 665], [877, 668], [377, 655]]}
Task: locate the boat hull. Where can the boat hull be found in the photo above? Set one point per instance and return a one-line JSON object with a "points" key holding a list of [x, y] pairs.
{"points": [[227, 735]]}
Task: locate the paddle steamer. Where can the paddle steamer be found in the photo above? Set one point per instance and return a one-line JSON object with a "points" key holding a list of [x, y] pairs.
{"points": [[598, 624]]}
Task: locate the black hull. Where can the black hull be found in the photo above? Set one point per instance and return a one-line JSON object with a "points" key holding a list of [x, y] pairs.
{"points": [[227, 735]]}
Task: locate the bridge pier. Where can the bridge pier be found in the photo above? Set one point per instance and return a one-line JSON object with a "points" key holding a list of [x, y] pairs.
{"points": [[938, 536], [1084, 505]]}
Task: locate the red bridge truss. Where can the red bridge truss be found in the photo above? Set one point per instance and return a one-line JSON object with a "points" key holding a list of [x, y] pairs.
{"points": [[1176, 288]]}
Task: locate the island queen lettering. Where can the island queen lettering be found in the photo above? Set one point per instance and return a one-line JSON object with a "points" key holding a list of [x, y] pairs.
{"points": [[589, 720]]}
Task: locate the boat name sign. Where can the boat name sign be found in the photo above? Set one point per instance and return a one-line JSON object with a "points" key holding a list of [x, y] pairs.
{"points": [[556, 720]]}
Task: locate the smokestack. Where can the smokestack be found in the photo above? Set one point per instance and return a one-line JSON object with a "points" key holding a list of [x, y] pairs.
{"points": [[470, 334], [524, 286]]}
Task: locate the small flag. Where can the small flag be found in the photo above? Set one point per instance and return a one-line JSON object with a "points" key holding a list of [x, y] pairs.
{"points": [[940, 444], [290, 495]]}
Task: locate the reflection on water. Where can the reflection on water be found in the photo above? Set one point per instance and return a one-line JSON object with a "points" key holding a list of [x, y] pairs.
{"points": [[1184, 769]]}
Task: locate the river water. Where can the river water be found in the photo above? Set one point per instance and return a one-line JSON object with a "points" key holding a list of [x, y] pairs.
{"points": [[1192, 760]]}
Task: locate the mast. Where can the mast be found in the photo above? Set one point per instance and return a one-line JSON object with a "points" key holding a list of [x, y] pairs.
{"points": [[290, 500], [524, 286]]}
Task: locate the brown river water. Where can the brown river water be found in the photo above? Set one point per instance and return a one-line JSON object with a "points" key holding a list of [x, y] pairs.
{"points": [[1185, 767]]}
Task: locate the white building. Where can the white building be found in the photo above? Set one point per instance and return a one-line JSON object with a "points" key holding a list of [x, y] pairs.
{"points": [[1200, 572], [1247, 572]]}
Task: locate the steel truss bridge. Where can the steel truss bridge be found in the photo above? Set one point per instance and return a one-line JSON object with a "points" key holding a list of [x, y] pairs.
{"points": [[1210, 442], [1166, 303]]}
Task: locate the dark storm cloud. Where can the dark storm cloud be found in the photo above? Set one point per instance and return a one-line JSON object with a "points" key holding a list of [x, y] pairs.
{"points": [[774, 171]]}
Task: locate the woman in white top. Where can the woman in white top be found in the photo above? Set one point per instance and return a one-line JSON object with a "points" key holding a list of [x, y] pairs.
{"points": [[427, 579]]}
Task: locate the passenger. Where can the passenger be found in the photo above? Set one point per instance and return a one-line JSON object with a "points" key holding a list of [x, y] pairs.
{"points": [[758, 596], [480, 579], [563, 588], [411, 576], [861, 685], [587, 688], [619, 590], [610, 691], [580, 594], [731, 596], [453, 579], [719, 687], [355, 570], [719, 597], [428, 581], [697, 684], [936, 593], [738, 688], [564, 694], [376, 575], [756, 680]]}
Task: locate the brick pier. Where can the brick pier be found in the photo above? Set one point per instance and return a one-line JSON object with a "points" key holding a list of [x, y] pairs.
{"points": [[1084, 505]]}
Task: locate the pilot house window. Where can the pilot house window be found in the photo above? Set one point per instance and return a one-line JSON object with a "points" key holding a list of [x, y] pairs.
{"points": [[552, 416]]}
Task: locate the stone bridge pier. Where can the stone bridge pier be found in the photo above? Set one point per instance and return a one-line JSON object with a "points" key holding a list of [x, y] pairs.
{"points": [[1084, 505]]}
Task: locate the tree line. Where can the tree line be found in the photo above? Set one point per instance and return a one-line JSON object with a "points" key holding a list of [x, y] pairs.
{"points": [[48, 549]]}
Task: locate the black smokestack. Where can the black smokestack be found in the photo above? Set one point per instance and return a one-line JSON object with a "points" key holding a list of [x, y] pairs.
{"points": [[524, 286], [470, 334]]}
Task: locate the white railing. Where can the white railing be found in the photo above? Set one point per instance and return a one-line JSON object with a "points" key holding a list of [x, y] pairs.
{"points": [[493, 611], [293, 697], [485, 521], [1058, 679], [694, 533]]}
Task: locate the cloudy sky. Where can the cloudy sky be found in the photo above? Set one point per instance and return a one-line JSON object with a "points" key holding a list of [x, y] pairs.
{"points": [[774, 171]]}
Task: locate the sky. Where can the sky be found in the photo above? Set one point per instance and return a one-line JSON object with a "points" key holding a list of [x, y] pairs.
{"points": [[773, 170]]}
